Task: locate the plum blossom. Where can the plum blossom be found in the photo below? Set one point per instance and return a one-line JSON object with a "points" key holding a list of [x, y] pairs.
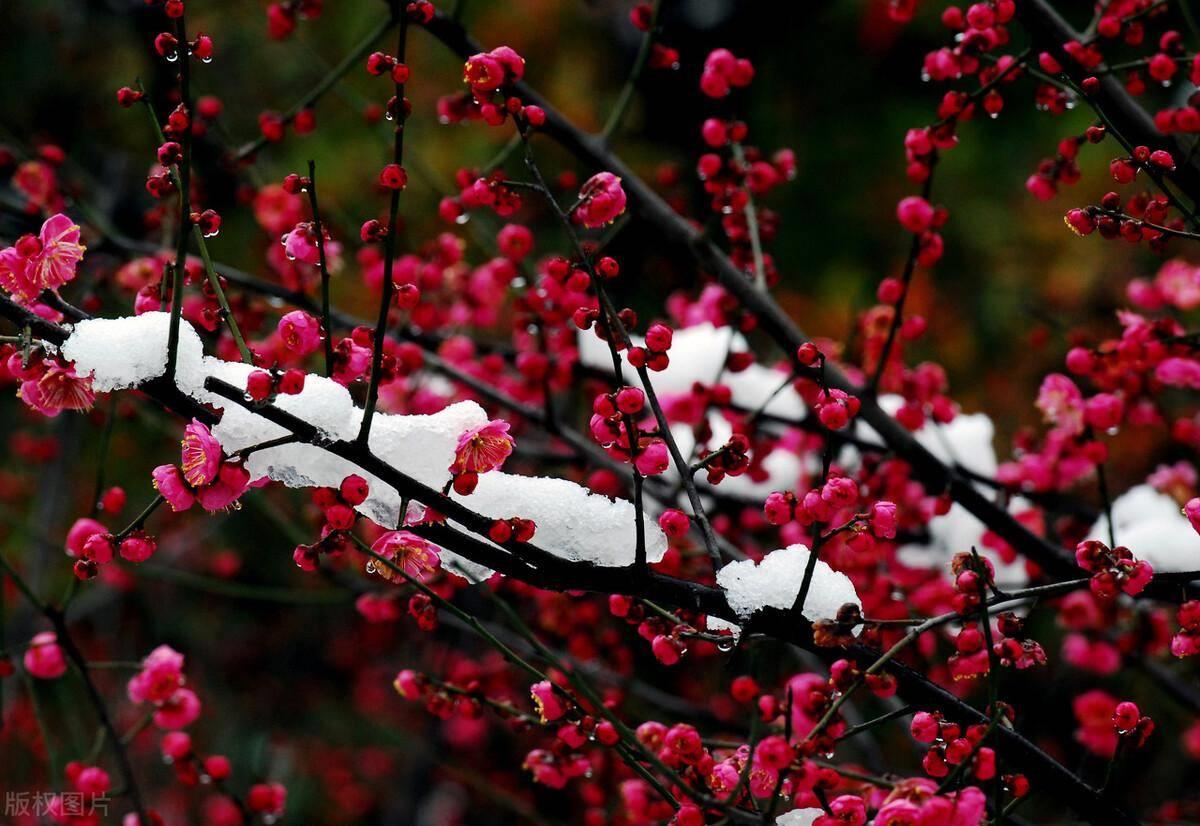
{"points": [[55, 387], [482, 448], [160, 677], [299, 333], [601, 201], [44, 658], [205, 476], [300, 244], [1061, 403], [415, 556], [44, 261]]}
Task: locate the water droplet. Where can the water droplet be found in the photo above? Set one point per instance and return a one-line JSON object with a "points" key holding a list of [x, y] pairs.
{"points": [[462, 219], [388, 115], [247, 397], [206, 59], [212, 234], [371, 567], [289, 256], [205, 779], [172, 57], [726, 644]]}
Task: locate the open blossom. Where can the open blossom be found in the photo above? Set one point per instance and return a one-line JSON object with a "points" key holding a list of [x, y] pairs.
{"points": [[201, 459], [205, 476], [44, 658], [300, 244], [161, 676], [53, 387], [415, 556], [488, 71], [299, 333], [549, 705], [482, 448], [44, 261], [601, 200], [1061, 403]]}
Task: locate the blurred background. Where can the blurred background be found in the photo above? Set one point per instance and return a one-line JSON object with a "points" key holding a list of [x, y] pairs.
{"points": [[296, 685]]}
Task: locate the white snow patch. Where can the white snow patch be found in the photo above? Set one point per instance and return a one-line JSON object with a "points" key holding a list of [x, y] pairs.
{"points": [[571, 521], [775, 583]]}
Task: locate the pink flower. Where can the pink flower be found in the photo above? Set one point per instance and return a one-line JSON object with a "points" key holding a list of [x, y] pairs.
{"points": [[483, 448], [299, 333], [486, 72], [170, 484], [179, 710], [42, 262], [601, 200], [81, 531], [653, 459], [160, 677], [1061, 403], [300, 244], [201, 454], [43, 658], [205, 477], [1178, 372], [549, 705], [483, 73], [409, 552], [1094, 710], [56, 389], [230, 484], [883, 520]]}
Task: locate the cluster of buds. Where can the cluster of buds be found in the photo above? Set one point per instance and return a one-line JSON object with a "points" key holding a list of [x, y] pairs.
{"points": [[950, 746], [1186, 642], [93, 545], [337, 506], [489, 192], [263, 385], [1062, 169], [730, 459], [820, 505], [723, 72], [1114, 570], [653, 354], [613, 425], [1139, 219], [973, 575], [380, 63], [489, 75], [512, 530], [1125, 170], [1015, 649], [922, 219], [1185, 118], [191, 769], [167, 46]]}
